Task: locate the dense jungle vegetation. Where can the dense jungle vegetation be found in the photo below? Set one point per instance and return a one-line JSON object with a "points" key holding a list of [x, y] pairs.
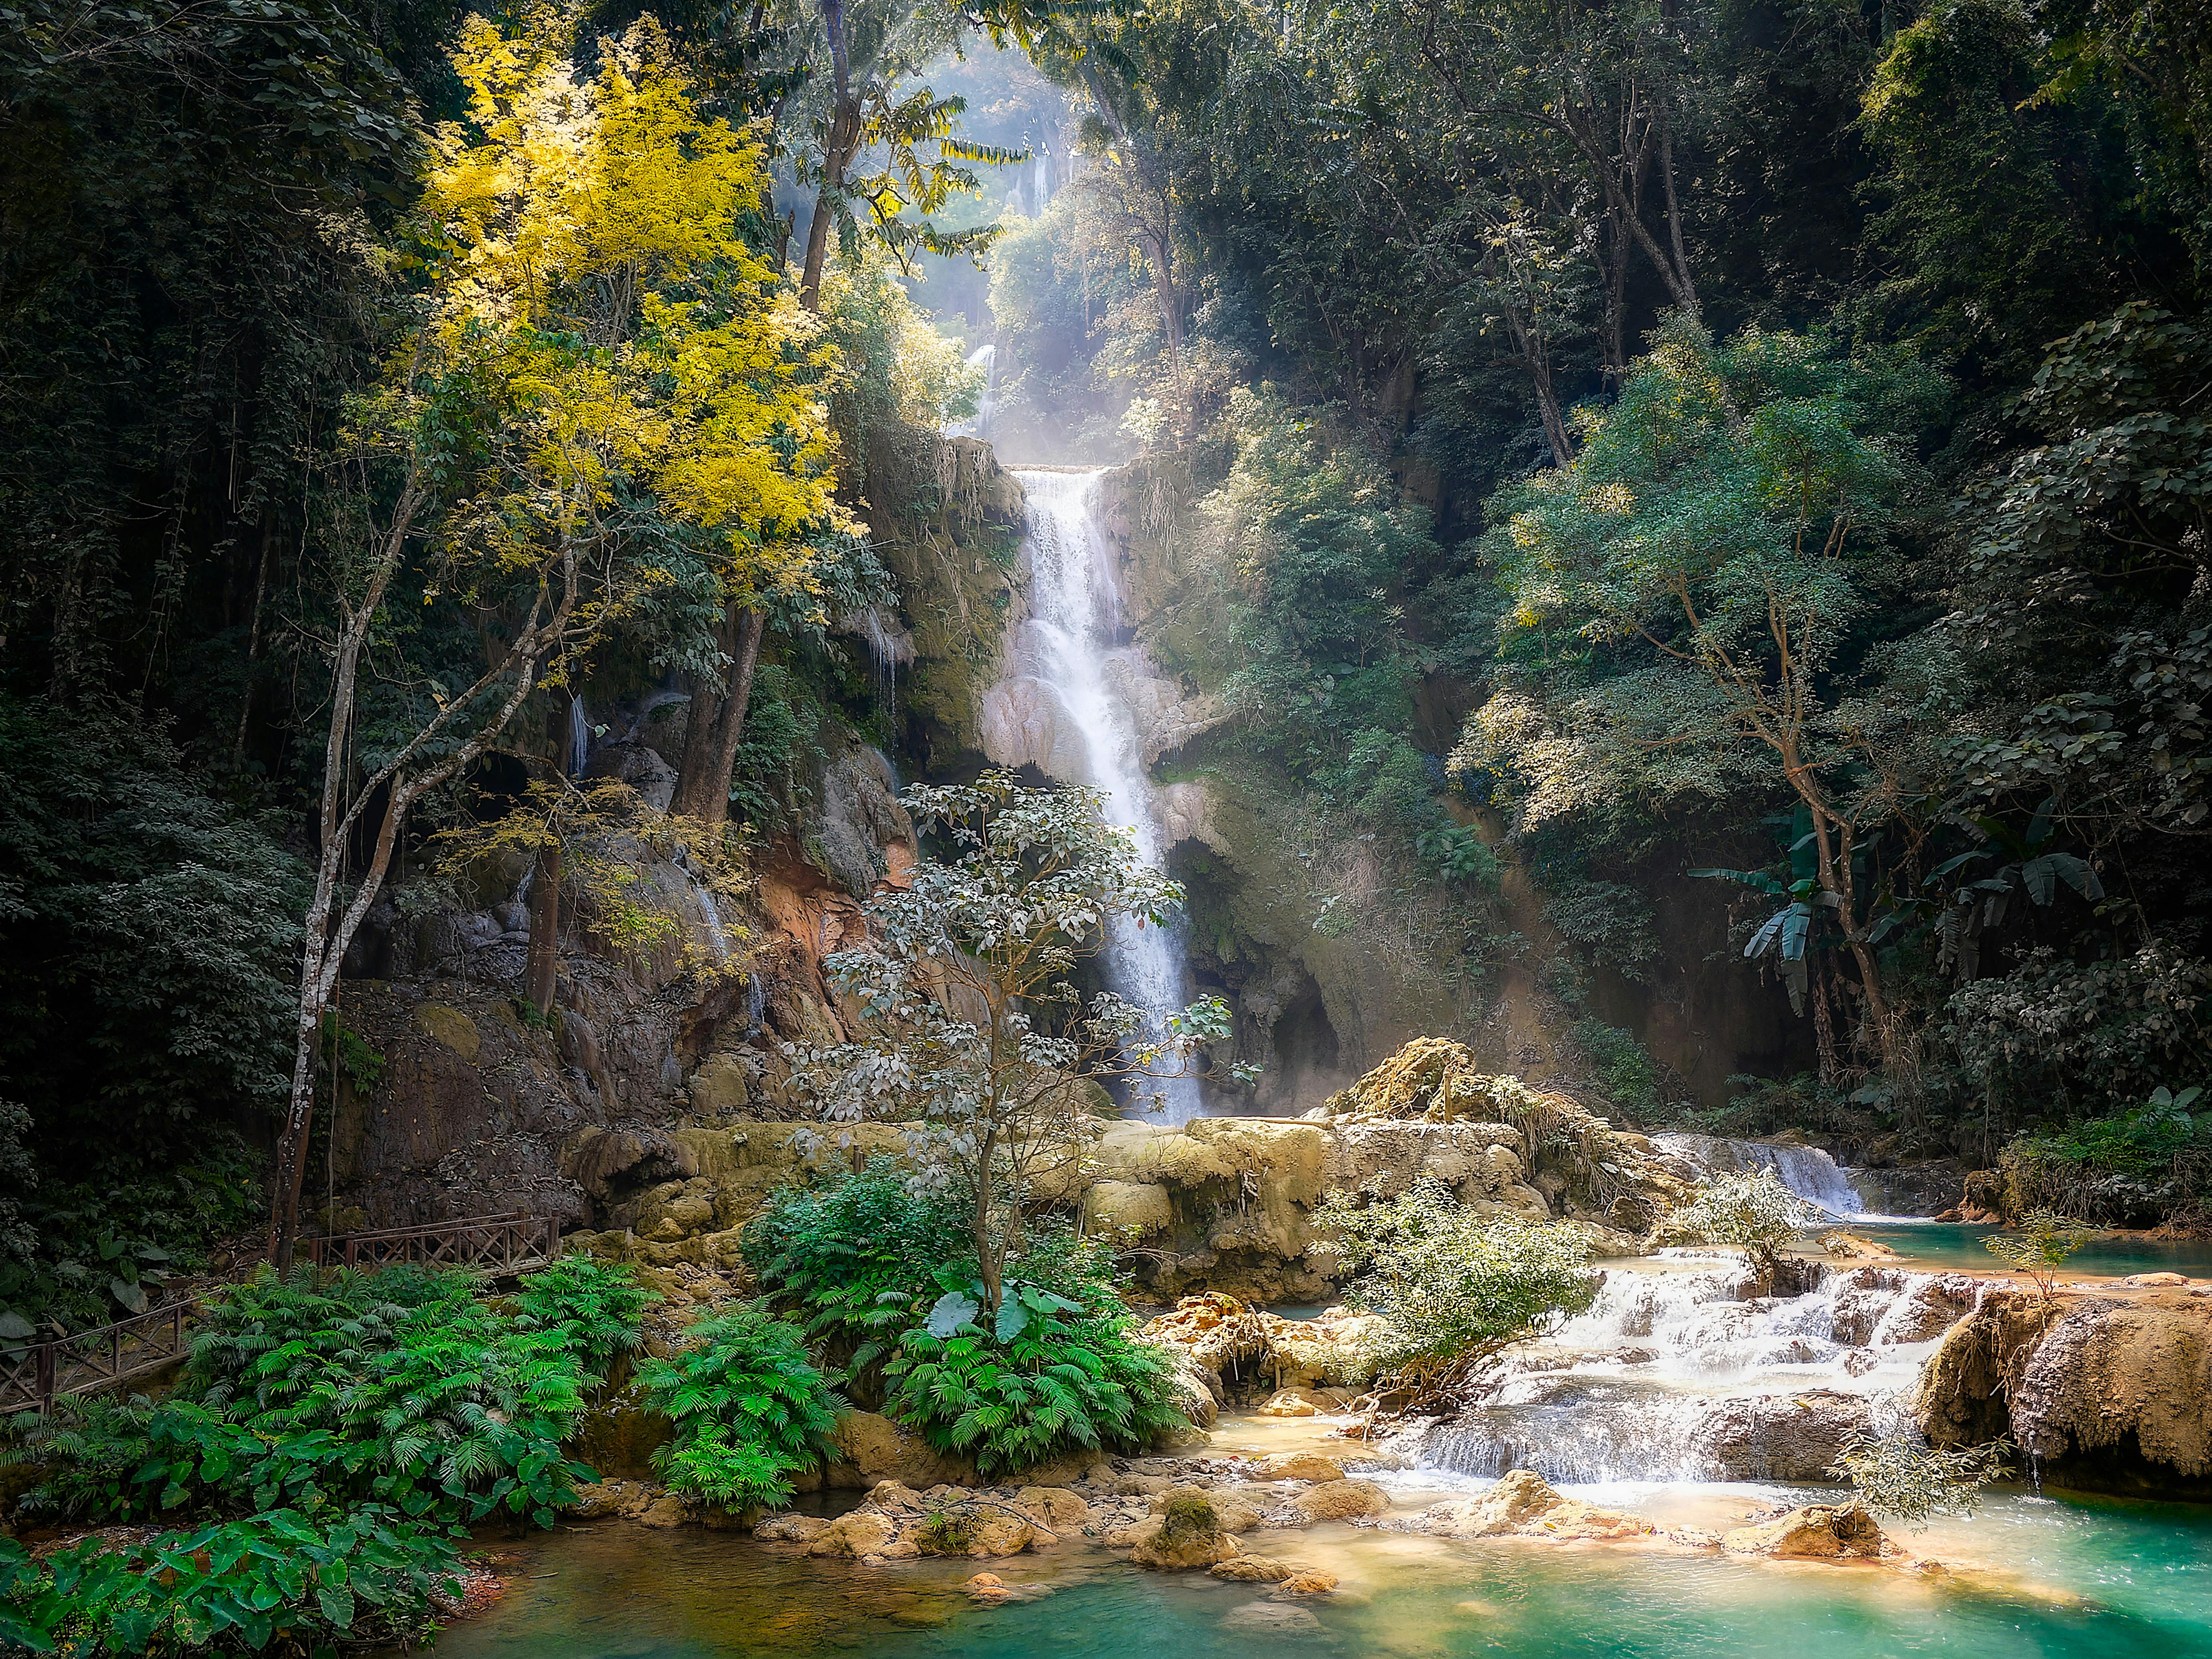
{"points": [[1752, 448], [1779, 425]]}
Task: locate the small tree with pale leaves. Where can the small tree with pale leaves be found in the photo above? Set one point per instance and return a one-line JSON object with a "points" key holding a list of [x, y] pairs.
{"points": [[973, 1028], [1751, 1209]]}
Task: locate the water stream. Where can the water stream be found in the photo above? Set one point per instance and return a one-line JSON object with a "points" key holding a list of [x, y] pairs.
{"points": [[1075, 611], [1807, 1172]]}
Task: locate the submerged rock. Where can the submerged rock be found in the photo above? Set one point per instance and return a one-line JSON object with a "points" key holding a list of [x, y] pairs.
{"points": [[1817, 1532], [1254, 1569], [1522, 1505]]}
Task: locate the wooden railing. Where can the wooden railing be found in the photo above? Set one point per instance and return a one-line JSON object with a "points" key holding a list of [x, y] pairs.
{"points": [[496, 1244], [32, 1374]]}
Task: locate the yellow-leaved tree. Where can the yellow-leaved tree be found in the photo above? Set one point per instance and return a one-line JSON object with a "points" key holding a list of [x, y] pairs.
{"points": [[600, 416]]}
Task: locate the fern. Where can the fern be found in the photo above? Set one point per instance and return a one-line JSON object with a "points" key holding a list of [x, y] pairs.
{"points": [[750, 1408]]}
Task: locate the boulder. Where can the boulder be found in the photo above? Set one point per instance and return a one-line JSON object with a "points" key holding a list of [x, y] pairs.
{"points": [[1342, 1500], [1522, 1505], [859, 1533], [1234, 1512], [873, 1449], [1783, 1437], [1053, 1507], [665, 1511], [1819, 1532], [997, 1532], [595, 1501], [1190, 1534], [1309, 1582], [1298, 1466], [1293, 1402], [1253, 1569], [791, 1528]]}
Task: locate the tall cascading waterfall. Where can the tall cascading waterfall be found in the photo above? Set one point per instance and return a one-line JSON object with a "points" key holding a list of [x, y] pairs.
{"points": [[1075, 607], [984, 357]]}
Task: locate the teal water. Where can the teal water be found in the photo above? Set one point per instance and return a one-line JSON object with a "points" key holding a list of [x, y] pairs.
{"points": [[1945, 1244], [2087, 1581]]}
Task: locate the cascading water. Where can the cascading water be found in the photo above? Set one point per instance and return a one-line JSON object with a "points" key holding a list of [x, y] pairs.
{"points": [[1805, 1170], [1686, 1375], [1073, 599], [984, 357], [580, 736]]}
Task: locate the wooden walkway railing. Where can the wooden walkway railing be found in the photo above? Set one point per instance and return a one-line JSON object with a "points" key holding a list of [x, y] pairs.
{"points": [[496, 1244], [34, 1375]]}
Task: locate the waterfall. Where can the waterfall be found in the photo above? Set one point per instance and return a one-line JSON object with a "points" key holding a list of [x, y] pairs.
{"points": [[986, 357], [1073, 599], [580, 736], [1805, 1170], [1681, 1374]]}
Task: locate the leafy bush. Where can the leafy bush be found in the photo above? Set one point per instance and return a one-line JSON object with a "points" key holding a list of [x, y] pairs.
{"points": [[1454, 1286], [1060, 1382], [397, 1386], [1751, 1210], [750, 1409], [296, 1579], [1460, 855], [1630, 1077], [592, 1308], [853, 1260], [2039, 1247], [1901, 1474]]}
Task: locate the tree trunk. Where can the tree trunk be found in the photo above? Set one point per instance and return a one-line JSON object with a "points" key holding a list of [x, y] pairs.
{"points": [[837, 152], [545, 930], [716, 724]]}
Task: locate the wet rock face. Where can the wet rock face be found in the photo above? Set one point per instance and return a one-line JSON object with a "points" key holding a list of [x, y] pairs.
{"points": [[2105, 1394], [1784, 1437]]}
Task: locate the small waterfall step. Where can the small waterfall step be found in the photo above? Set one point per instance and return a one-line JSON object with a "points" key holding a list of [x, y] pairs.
{"points": [[1806, 1171]]}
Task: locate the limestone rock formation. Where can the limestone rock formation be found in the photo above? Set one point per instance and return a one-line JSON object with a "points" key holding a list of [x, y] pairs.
{"points": [[1190, 1534], [2106, 1394], [1817, 1532], [1522, 1505], [1780, 1437], [1342, 1500]]}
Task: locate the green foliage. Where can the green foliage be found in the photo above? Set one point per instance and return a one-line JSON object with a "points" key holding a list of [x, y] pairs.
{"points": [[1060, 1382], [298, 1580], [1902, 1476], [1750, 1209], [592, 1308], [2038, 1244], [1624, 1069], [397, 1386], [1459, 854], [148, 935], [2138, 1141], [1455, 1287], [852, 1260], [750, 1409]]}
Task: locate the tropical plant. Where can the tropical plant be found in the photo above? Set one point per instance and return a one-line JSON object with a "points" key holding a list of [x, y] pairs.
{"points": [[2038, 1244], [1750, 1209], [854, 1259], [974, 1028], [1040, 1378], [750, 1408], [302, 1580], [1902, 1476], [1455, 1287], [594, 1309]]}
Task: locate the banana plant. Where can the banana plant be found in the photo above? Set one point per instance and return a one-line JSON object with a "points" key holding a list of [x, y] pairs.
{"points": [[1787, 934], [1962, 911]]}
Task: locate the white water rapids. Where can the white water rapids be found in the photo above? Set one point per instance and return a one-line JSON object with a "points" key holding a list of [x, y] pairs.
{"points": [[1076, 609], [1806, 1171], [1683, 1374]]}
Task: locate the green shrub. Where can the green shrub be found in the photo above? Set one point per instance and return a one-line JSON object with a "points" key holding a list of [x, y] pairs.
{"points": [[397, 1386], [1630, 1077], [1052, 1386], [1455, 1287], [852, 1261], [298, 1581], [1902, 1476], [750, 1408], [1751, 1210], [592, 1309]]}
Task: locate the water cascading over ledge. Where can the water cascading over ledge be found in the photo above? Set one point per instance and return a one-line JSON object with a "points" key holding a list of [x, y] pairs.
{"points": [[1069, 705]]}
